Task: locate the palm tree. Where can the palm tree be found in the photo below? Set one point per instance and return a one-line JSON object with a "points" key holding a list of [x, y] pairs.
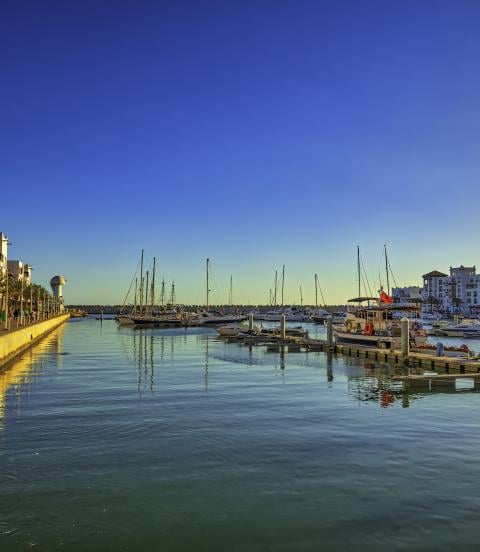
{"points": [[456, 302], [433, 301], [33, 295]]}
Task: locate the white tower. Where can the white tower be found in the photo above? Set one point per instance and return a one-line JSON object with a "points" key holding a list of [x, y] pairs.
{"points": [[3, 253], [57, 283]]}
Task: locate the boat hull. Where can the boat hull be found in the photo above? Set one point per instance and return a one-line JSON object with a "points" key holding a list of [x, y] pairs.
{"points": [[380, 341]]}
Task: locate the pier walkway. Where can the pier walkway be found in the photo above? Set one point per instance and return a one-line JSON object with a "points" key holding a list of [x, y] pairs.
{"points": [[14, 341]]}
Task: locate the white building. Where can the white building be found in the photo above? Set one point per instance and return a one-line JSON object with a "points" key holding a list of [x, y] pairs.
{"points": [[409, 294], [465, 288], [459, 292], [20, 271], [3, 253], [435, 293]]}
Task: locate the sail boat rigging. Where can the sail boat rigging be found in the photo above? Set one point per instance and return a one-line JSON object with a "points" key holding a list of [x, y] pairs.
{"points": [[320, 315]]}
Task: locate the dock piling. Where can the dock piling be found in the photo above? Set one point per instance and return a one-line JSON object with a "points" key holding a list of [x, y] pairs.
{"points": [[405, 333], [282, 327], [329, 331]]}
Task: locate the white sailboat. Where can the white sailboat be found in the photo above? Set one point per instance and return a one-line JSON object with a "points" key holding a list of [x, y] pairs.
{"points": [[214, 318]]}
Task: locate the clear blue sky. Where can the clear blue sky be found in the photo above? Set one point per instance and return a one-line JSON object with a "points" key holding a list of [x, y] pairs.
{"points": [[253, 132]]}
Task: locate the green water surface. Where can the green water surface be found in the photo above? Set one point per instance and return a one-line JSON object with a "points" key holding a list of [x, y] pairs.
{"points": [[119, 439]]}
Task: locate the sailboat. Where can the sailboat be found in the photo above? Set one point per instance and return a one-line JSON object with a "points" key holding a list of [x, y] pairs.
{"points": [[126, 318], [373, 323], [319, 316], [144, 311], [208, 317]]}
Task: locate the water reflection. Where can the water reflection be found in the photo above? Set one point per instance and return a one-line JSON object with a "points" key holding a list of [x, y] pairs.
{"points": [[366, 381], [19, 375], [144, 360], [206, 364], [329, 357], [375, 385]]}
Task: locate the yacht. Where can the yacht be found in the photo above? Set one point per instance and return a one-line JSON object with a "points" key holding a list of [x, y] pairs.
{"points": [[466, 329], [231, 330], [291, 315], [319, 316], [214, 318]]}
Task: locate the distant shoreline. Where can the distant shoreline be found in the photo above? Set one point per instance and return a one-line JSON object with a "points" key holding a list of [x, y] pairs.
{"points": [[244, 309]]}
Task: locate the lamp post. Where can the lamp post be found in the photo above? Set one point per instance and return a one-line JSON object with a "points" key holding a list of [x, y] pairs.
{"points": [[7, 310], [21, 302]]}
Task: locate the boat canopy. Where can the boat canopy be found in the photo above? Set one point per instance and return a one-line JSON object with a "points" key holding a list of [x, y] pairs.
{"points": [[362, 299]]}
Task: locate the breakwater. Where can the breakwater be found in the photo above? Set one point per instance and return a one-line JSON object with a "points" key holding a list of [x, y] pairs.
{"points": [[14, 342]]}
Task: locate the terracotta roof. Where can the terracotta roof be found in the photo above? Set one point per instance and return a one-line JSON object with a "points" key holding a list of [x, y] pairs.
{"points": [[435, 274]]}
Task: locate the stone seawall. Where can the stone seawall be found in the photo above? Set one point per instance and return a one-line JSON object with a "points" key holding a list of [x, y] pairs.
{"points": [[15, 342]]}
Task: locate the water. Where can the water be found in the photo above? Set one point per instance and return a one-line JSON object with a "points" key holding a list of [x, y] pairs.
{"points": [[116, 439]]}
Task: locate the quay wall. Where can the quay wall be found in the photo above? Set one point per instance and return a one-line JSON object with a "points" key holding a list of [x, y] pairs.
{"points": [[15, 342]]}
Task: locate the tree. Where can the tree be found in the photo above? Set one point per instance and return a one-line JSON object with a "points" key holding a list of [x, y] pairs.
{"points": [[433, 301], [456, 302], [32, 295]]}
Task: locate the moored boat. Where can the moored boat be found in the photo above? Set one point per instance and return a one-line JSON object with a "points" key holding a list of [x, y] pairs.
{"points": [[429, 349], [375, 326], [468, 328]]}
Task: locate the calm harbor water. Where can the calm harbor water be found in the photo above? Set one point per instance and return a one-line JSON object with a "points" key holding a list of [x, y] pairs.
{"points": [[120, 439]]}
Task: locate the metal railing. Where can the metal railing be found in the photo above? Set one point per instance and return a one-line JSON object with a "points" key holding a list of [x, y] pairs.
{"points": [[19, 322]]}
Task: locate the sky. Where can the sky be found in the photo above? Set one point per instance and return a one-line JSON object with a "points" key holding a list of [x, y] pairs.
{"points": [[255, 133]]}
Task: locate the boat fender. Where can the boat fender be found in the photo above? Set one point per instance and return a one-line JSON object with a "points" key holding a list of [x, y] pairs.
{"points": [[368, 328]]}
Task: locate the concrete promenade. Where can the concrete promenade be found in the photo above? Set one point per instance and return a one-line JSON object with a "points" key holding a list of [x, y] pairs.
{"points": [[14, 342]]}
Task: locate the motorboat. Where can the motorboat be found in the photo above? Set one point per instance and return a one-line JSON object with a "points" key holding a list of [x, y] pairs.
{"points": [[124, 320], [232, 330], [430, 316], [466, 329], [437, 327], [291, 315], [213, 318], [319, 316]]}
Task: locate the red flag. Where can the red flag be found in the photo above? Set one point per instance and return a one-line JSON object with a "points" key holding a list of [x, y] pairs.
{"points": [[385, 298]]}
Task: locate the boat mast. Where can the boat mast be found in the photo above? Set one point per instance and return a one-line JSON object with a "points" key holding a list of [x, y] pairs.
{"points": [[275, 291], [208, 291], [301, 297], [135, 299], [152, 291], [316, 292], [358, 270], [146, 295], [386, 269], [283, 283], [162, 294], [141, 284], [230, 299], [173, 299]]}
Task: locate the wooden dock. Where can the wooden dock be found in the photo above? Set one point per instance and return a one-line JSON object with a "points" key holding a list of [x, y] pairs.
{"points": [[433, 381], [454, 365]]}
